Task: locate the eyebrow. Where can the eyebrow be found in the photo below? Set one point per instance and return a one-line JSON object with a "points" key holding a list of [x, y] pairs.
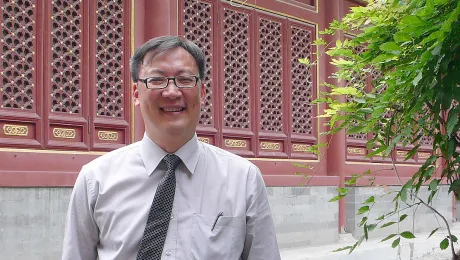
{"points": [[161, 72]]}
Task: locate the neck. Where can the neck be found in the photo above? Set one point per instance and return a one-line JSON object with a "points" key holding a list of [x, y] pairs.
{"points": [[170, 143]]}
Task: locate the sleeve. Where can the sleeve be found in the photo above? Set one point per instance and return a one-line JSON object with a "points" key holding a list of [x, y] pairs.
{"points": [[260, 242], [81, 234]]}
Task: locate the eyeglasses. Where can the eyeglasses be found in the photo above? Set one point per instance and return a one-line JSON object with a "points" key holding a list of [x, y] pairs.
{"points": [[162, 82]]}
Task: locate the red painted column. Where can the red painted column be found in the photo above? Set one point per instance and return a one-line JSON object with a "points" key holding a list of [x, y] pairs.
{"points": [[139, 38], [336, 153], [152, 18]]}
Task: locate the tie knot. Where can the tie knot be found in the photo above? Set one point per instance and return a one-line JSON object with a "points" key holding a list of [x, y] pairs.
{"points": [[172, 161]]}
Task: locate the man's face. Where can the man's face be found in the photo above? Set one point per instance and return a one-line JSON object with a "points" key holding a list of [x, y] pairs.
{"points": [[170, 112]]}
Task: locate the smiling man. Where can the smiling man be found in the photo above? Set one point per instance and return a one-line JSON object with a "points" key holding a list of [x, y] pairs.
{"points": [[169, 196]]}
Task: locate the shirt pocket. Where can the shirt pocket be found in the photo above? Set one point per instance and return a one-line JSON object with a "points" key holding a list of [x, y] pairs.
{"points": [[224, 242]]}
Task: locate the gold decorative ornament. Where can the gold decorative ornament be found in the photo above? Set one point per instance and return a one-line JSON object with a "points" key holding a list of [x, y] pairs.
{"points": [[424, 155], [204, 140], [107, 135], [15, 130], [357, 151], [401, 153], [300, 148], [64, 133], [235, 143], [270, 146]]}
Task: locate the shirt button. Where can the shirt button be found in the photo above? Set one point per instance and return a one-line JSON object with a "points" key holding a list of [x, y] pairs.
{"points": [[168, 253]]}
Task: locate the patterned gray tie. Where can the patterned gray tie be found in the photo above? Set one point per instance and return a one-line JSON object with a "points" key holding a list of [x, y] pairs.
{"points": [[153, 240]]}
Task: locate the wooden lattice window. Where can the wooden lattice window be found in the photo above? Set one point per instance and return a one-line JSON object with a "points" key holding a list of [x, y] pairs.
{"points": [[236, 69], [271, 75], [262, 92], [109, 58], [198, 22], [18, 55], [59, 74], [66, 56], [302, 82]]}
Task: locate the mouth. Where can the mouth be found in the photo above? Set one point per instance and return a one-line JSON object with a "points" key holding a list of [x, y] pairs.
{"points": [[172, 109]]}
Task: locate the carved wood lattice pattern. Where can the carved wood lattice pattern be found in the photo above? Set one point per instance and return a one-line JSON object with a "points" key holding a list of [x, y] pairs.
{"points": [[109, 58], [236, 69], [375, 74], [198, 28], [357, 78], [302, 83], [271, 70], [18, 54], [66, 51]]}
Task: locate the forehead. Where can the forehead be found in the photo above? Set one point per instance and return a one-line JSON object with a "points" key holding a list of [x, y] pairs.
{"points": [[174, 57]]}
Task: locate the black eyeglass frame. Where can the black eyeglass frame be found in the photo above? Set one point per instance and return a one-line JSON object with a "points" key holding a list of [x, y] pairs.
{"points": [[167, 82]]}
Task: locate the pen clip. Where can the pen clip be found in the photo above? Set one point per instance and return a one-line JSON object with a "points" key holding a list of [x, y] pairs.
{"points": [[217, 218]]}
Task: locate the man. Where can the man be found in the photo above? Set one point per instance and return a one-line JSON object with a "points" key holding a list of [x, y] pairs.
{"points": [[169, 196]]}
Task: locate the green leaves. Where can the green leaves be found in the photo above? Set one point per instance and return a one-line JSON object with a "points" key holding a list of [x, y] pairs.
{"points": [[342, 193], [388, 224], [390, 47], [388, 237], [336, 198], [400, 37], [417, 79], [403, 217], [395, 242], [410, 51], [411, 21], [305, 61], [451, 124], [363, 210], [344, 91], [432, 232], [407, 235], [342, 249], [444, 244], [370, 200], [434, 185]]}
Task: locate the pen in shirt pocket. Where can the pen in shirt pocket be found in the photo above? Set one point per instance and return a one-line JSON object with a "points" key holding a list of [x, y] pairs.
{"points": [[217, 218]]}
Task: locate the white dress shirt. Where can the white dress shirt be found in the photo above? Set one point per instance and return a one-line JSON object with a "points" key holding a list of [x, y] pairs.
{"points": [[113, 194]]}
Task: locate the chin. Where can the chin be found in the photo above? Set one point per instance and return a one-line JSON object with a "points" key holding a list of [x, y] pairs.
{"points": [[175, 129]]}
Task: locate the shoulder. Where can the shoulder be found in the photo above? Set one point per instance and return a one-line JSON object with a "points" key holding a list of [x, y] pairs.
{"points": [[113, 158], [223, 157]]}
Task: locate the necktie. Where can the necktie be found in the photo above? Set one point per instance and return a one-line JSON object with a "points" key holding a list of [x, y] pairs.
{"points": [[153, 240]]}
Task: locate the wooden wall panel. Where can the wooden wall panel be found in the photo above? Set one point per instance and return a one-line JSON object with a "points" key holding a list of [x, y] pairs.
{"points": [[21, 103]]}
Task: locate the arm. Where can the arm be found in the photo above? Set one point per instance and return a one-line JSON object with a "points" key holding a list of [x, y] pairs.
{"points": [[260, 240], [81, 232]]}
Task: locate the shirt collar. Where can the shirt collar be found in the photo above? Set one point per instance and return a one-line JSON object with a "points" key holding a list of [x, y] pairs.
{"points": [[152, 154]]}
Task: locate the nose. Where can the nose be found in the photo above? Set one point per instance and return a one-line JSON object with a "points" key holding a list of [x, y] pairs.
{"points": [[171, 91]]}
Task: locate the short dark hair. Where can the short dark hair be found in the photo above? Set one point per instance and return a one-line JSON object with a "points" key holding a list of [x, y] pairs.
{"points": [[161, 44]]}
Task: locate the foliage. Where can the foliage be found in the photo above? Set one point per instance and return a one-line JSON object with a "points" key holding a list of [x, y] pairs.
{"points": [[412, 47]]}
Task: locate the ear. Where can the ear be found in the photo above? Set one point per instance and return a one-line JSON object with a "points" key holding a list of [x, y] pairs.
{"points": [[136, 95], [203, 93]]}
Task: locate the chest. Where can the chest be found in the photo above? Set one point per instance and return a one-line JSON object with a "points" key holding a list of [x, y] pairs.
{"points": [[196, 229]]}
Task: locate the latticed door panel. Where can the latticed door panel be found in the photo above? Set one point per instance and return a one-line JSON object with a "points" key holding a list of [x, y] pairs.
{"points": [[64, 76], [249, 55], [66, 96], [303, 89], [20, 112], [356, 148], [236, 70], [198, 26], [271, 110], [110, 92]]}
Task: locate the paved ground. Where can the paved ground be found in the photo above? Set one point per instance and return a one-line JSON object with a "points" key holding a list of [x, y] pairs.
{"points": [[420, 248], [444, 255]]}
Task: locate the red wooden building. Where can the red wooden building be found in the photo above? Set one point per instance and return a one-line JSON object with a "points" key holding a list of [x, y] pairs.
{"points": [[66, 87]]}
